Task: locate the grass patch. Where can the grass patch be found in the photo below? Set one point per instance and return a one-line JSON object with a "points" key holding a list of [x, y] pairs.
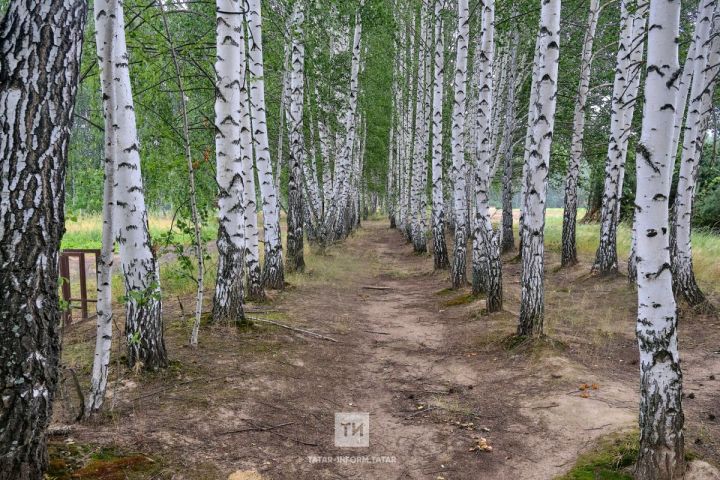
{"points": [[463, 299], [72, 461], [610, 460]]}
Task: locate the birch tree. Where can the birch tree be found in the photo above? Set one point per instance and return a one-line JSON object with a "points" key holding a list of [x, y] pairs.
{"points": [[37, 94], [532, 297], [105, 32], [625, 91], [440, 254], [273, 268], [143, 307], [507, 236], [252, 248], [228, 300], [295, 257], [569, 250], [705, 69], [458, 146], [661, 454], [487, 270]]}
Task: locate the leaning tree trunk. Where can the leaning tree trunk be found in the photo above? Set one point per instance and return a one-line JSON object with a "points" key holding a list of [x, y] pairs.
{"points": [[273, 269], [39, 59], [625, 90], [532, 297], [569, 249], [661, 454], [228, 299], [458, 146], [440, 253], [295, 257], [143, 308], [705, 68], [487, 269], [105, 32]]}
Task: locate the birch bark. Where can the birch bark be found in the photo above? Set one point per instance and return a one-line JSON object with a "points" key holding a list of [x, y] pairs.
{"points": [[705, 69], [295, 256], [40, 48], [143, 307], [458, 146], [661, 454], [532, 298], [105, 28], [440, 253], [625, 90], [228, 301], [273, 270], [569, 249]]}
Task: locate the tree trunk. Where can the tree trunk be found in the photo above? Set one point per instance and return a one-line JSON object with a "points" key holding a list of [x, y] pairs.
{"points": [[255, 289], [487, 269], [40, 52], [705, 68], [625, 90], [105, 33], [532, 297], [661, 454], [507, 242], [569, 249], [273, 269], [440, 253], [295, 256], [228, 301], [143, 307], [458, 146]]}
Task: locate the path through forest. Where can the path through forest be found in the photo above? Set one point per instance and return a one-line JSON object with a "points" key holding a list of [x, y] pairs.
{"points": [[433, 373]]}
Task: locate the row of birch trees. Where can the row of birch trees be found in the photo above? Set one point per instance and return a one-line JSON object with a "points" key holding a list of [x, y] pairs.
{"points": [[482, 77], [323, 127]]}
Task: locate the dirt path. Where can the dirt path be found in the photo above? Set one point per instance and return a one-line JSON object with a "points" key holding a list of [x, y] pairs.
{"points": [[433, 373]]}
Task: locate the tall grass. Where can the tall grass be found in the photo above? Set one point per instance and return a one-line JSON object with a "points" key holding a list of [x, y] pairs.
{"points": [[705, 244]]}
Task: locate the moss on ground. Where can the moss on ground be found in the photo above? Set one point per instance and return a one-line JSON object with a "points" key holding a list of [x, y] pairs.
{"points": [[73, 461], [612, 459]]}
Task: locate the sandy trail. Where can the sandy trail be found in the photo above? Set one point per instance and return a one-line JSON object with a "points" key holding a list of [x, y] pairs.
{"points": [[431, 370]]}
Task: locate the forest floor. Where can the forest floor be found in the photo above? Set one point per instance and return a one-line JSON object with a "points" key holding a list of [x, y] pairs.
{"points": [[432, 370]]}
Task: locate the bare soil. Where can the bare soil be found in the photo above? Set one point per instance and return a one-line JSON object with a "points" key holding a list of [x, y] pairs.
{"points": [[434, 372]]}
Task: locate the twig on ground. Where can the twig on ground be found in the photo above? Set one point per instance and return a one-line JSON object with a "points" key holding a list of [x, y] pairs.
{"points": [[373, 287], [373, 331], [301, 330]]}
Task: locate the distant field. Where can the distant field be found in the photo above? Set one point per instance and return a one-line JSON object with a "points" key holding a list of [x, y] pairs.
{"points": [[85, 232]]}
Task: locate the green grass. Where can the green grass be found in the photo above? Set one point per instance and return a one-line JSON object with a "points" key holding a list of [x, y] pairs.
{"points": [[610, 460], [706, 245], [86, 231]]}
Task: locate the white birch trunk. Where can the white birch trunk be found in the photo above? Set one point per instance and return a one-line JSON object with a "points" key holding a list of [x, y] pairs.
{"points": [[440, 253], [273, 271], [487, 270], [105, 33], [228, 301], [458, 146], [569, 249], [625, 90], [705, 68], [143, 323], [295, 234], [532, 297], [661, 454], [37, 94], [255, 289]]}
